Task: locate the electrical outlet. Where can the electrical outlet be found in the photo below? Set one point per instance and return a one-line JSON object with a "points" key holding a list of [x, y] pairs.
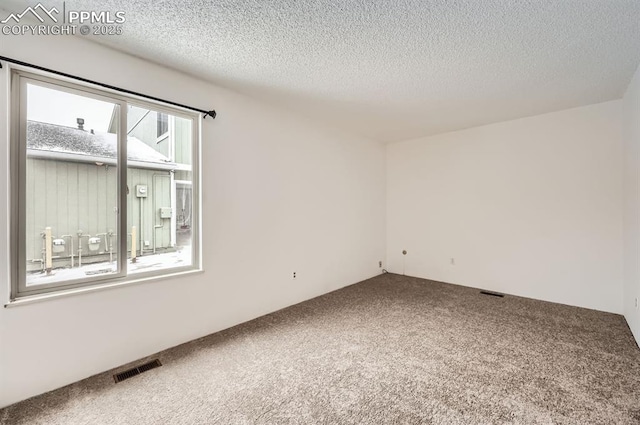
{"points": [[636, 303], [453, 261], [380, 264], [293, 276]]}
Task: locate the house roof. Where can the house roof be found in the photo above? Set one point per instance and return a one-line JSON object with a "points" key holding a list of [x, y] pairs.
{"points": [[84, 146]]}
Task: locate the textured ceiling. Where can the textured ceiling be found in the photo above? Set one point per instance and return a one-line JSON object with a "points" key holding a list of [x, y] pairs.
{"points": [[393, 69]]}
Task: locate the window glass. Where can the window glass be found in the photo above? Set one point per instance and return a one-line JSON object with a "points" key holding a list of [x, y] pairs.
{"points": [[162, 123], [73, 180], [71, 187], [160, 199]]}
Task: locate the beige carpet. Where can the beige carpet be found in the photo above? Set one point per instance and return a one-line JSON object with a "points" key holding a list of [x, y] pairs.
{"points": [[390, 350]]}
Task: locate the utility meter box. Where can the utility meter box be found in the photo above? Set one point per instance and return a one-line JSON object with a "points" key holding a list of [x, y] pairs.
{"points": [[166, 212], [94, 244], [141, 190], [58, 245]]}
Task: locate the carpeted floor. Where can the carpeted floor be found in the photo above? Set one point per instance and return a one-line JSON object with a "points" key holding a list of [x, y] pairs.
{"points": [[392, 349]]}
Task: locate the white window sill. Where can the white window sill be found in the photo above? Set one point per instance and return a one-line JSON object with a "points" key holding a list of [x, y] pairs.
{"points": [[63, 293]]}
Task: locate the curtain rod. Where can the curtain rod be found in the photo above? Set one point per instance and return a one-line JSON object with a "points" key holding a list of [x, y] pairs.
{"points": [[211, 113]]}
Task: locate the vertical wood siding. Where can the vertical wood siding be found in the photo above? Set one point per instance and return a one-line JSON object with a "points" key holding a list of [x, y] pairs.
{"points": [[72, 196]]}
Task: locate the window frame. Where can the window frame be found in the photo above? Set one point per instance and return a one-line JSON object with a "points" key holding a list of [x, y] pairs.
{"points": [[19, 78]]}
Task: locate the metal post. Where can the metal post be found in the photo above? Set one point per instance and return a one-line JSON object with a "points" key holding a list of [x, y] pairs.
{"points": [[79, 248], [48, 254], [110, 246], [133, 244]]}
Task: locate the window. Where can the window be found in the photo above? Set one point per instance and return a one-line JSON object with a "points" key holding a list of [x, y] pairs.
{"points": [[163, 125], [95, 198]]}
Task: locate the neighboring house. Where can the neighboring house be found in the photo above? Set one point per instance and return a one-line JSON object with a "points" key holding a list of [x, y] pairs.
{"points": [[170, 136], [71, 187]]}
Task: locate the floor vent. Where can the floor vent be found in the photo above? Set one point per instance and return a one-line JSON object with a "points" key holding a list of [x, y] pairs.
{"points": [[136, 370], [493, 294]]}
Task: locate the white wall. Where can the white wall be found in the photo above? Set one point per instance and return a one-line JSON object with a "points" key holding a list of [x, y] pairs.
{"points": [[531, 207], [632, 205], [279, 195]]}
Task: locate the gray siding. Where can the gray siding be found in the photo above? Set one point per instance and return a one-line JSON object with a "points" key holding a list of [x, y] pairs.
{"points": [[73, 196], [183, 147], [159, 189], [147, 129]]}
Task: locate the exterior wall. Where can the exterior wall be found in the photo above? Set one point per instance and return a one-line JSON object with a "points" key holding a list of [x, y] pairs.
{"points": [[182, 131], [68, 197], [142, 124], [73, 196], [159, 187]]}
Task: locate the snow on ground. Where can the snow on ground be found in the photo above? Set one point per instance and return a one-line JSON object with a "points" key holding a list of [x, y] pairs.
{"points": [[148, 262]]}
